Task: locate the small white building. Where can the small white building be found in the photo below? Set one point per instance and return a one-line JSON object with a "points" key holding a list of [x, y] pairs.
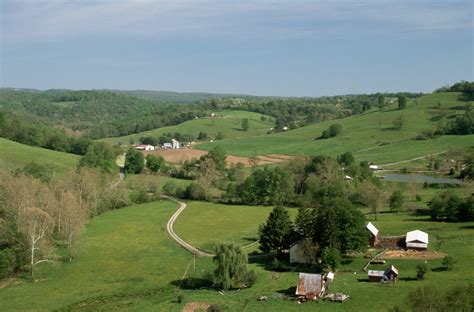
{"points": [[167, 145], [348, 178], [417, 240], [174, 144], [374, 234], [145, 147], [375, 167]]}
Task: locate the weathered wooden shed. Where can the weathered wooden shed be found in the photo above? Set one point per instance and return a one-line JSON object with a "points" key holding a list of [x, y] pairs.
{"points": [[310, 286], [374, 235], [375, 276], [392, 274], [417, 240]]}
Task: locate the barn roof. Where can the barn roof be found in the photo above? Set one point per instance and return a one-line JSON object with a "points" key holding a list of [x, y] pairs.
{"points": [[376, 273], [309, 283], [417, 235], [391, 268], [372, 229]]}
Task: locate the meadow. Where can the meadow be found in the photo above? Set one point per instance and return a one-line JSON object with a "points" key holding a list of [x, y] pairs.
{"points": [[370, 136], [127, 261], [227, 122], [13, 155]]}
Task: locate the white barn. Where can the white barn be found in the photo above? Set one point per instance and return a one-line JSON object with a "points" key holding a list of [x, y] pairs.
{"points": [[417, 240]]}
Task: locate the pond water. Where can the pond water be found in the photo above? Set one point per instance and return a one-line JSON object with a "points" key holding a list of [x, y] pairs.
{"points": [[418, 178]]}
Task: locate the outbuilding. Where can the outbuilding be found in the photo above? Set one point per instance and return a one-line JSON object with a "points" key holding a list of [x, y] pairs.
{"points": [[392, 274], [374, 235], [310, 286], [375, 276], [417, 240]]}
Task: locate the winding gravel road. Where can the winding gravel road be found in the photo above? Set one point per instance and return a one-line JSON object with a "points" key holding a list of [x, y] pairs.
{"points": [[176, 238]]}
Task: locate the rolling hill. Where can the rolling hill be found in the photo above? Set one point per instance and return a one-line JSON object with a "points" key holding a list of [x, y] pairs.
{"points": [[228, 122], [14, 154], [370, 136]]}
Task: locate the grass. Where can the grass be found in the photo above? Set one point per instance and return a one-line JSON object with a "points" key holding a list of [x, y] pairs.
{"points": [[204, 224], [13, 155], [369, 136], [228, 122], [128, 262]]}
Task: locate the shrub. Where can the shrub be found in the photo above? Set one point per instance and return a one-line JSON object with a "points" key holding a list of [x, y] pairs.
{"points": [[448, 262], [215, 308], [169, 188], [7, 262]]}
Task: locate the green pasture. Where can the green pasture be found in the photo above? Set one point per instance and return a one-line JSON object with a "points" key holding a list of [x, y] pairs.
{"points": [[128, 262], [228, 122], [369, 136], [13, 154]]}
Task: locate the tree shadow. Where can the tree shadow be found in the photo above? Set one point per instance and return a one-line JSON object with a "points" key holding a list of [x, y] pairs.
{"points": [[467, 227], [439, 269], [363, 280], [290, 291], [408, 279], [192, 283], [238, 129], [390, 129]]}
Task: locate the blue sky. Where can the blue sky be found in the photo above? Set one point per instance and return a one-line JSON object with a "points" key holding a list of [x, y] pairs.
{"points": [[287, 48]]}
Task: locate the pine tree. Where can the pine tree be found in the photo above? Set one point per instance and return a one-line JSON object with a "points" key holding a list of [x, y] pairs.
{"points": [[275, 234]]}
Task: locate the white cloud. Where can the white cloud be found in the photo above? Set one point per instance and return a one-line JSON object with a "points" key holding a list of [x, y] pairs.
{"points": [[38, 19]]}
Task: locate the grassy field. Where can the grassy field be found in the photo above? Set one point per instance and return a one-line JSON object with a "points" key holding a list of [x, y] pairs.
{"points": [[370, 136], [204, 224], [128, 262], [13, 154], [227, 122]]}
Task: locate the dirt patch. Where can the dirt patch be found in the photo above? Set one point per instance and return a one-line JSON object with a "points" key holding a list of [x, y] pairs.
{"points": [[195, 306], [180, 155], [412, 255], [9, 282]]}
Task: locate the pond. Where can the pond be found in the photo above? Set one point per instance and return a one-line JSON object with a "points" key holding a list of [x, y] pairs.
{"points": [[418, 178]]}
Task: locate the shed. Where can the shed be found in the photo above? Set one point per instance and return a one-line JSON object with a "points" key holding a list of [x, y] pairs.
{"points": [[310, 286], [392, 274], [374, 234], [375, 276], [145, 147], [167, 145], [417, 240]]}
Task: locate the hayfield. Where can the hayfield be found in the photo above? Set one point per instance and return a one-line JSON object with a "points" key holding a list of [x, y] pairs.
{"points": [[370, 136], [228, 122], [13, 155]]}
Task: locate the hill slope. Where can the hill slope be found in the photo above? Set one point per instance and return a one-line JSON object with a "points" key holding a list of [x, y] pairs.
{"points": [[14, 154], [227, 122], [370, 136]]}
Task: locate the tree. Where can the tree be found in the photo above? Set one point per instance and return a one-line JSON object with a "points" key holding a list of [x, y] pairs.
{"points": [[448, 262], [155, 163], [202, 136], [381, 101], [99, 155], [218, 155], [245, 124], [231, 262], [73, 220], [346, 159], [402, 102], [36, 225], [372, 196], [134, 161], [421, 270], [304, 222], [396, 201], [398, 122], [275, 234], [332, 131]]}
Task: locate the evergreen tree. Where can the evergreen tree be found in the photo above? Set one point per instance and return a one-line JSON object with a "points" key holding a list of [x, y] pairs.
{"points": [[275, 234]]}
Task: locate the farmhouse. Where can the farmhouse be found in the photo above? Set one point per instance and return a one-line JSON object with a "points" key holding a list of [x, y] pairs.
{"points": [[374, 235], [417, 240], [302, 251], [310, 286], [145, 147]]}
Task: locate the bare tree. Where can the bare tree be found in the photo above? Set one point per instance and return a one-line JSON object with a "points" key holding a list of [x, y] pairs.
{"points": [[372, 197], [37, 226], [74, 218]]}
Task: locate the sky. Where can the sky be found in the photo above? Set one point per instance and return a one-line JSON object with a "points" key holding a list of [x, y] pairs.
{"points": [[260, 47]]}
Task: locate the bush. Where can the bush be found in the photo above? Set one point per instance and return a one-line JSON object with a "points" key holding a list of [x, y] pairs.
{"points": [[448, 262], [418, 197], [7, 262], [250, 278], [421, 270], [169, 188], [332, 131], [195, 191]]}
